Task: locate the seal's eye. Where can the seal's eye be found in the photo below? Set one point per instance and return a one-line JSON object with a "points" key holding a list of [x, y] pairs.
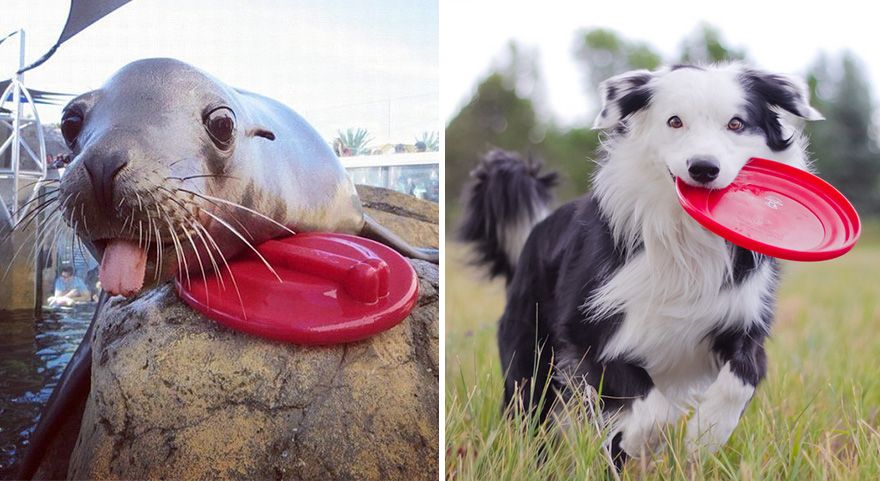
{"points": [[220, 124], [71, 124]]}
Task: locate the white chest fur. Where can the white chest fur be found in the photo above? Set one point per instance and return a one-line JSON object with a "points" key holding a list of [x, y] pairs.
{"points": [[674, 294]]}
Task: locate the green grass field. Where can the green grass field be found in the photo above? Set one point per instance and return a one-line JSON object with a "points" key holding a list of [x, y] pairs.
{"points": [[816, 416]]}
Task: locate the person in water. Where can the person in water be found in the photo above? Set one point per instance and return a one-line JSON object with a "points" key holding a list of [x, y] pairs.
{"points": [[69, 289]]}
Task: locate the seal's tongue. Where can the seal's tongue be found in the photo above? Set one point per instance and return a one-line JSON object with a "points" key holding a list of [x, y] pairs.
{"points": [[122, 267]]}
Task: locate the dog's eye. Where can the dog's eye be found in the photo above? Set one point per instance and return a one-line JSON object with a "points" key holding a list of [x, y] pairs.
{"points": [[674, 122], [736, 124]]}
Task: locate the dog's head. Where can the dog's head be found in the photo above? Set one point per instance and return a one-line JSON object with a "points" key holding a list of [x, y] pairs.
{"points": [[704, 123]]}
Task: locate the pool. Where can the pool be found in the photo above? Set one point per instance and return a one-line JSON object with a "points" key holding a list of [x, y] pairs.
{"points": [[33, 354]]}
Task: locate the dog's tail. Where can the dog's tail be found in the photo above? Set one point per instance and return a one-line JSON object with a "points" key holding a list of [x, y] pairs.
{"points": [[506, 197]]}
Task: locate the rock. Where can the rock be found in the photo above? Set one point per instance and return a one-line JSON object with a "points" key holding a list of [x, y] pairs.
{"points": [[414, 221], [176, 396]]}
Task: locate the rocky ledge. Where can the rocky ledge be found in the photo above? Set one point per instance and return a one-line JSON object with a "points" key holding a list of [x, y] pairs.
{"points": [[175, 396]]}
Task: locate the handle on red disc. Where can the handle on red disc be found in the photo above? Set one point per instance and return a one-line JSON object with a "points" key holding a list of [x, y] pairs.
{"points": [[364, 280]]}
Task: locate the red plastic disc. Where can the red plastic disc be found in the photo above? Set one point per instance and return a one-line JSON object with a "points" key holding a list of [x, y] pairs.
{"points": [[334, 288], [777, 210]]}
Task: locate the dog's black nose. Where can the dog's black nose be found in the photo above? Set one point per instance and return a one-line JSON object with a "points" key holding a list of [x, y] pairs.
{"points": [[703, 169], [102, 170]]}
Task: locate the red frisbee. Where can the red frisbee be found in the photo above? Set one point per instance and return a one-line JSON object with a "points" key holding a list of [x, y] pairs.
{"points": [[334, 288], [777, 210]]}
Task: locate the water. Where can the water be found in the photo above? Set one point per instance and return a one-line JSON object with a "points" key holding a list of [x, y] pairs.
{"points": [[33, 354]]}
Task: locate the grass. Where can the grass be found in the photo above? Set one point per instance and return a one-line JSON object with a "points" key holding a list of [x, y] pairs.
{"points": [[815, 417]]}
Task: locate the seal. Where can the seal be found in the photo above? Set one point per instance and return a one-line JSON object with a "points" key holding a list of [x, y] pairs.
{"points": [[172, 173]]}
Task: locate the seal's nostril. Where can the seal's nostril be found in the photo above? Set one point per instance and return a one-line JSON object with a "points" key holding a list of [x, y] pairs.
{"points": [[102, 171], [703, 169]]}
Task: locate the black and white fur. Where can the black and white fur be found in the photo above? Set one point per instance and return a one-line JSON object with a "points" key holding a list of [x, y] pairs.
{"points": [[621, 287]]}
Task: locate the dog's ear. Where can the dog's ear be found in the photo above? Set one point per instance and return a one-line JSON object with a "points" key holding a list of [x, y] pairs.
{"points": [[782, 91], [622, 95]]}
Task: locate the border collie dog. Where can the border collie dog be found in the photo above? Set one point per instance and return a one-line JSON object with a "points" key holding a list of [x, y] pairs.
{"points": [[620, 289]]}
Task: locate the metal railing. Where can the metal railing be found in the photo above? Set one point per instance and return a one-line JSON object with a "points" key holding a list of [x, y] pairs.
{"points": [[18, 171]]}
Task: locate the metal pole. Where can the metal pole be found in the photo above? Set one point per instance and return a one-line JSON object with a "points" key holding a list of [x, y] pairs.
{"points": [[16, 126]]}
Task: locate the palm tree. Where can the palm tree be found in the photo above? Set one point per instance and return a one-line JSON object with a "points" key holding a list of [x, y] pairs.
{"points": [[431, 141], [352, 142]]}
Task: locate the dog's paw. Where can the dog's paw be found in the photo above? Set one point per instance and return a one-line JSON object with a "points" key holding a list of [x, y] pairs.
{"points": [[708, 430], [640, 440], [718, 412]]}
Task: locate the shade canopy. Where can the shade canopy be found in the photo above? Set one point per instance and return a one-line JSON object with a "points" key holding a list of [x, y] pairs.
{"points": [[82, 14], [43, 97]]}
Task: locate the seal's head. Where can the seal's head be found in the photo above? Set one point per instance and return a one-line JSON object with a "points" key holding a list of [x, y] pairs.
{"points": [[153, 149]]}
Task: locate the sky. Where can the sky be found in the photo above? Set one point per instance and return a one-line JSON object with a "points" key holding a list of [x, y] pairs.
{"points": [[341, 64], [780, 36]]}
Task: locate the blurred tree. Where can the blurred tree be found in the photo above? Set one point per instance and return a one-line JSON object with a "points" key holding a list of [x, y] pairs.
{"points": [[502, 113], [604, 53], [705, 45], [496, 116], [844, 147]]}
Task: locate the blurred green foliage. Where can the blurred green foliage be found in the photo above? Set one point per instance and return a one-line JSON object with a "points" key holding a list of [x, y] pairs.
{"points": [[844, 145], [504, 112], [603, 53], [706, 45]]}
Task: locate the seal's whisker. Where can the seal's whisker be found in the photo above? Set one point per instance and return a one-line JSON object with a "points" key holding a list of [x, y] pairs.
{"points": [[234, 217], [239, 206], [36, 198], [51, 228], [172, 164], [217, 270], [18, 251], [79, 245], [43, 234], [228, 269], [40, 234], [149, 237], [198, 258], [58, 229], [187, 218], [35, 214], [13, 230], [43, 181], [158, 249], [30, 216], [206, 239], [125, 222], [174, 243], [82, 214], [251, 246], [178, 247], [72, 204], [158, 237], [73, 235], [200, 176]]}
